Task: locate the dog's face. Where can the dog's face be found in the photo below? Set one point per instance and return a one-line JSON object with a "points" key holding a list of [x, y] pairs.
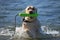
{"points": [[30, 10]]}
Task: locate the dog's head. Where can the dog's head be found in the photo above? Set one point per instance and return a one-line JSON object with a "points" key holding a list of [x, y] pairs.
{"points": [[30, 10]]}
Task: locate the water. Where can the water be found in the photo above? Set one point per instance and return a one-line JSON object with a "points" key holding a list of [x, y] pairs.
{"points": [[49, 11]]}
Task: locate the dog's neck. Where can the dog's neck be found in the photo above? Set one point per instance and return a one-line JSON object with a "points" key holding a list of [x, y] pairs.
{"points": [[28, 21]]}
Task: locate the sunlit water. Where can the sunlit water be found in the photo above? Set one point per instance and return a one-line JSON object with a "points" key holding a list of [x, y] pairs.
{"points": [[49, 11]]}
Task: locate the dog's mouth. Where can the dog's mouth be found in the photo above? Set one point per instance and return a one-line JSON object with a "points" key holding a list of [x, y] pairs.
{"points": [[31, 12]]}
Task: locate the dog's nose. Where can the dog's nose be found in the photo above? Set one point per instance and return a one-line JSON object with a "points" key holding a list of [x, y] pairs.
{"points": [[31, 12]]}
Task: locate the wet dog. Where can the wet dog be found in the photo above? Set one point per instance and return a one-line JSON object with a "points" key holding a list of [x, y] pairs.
{"points": [[31, 25]]}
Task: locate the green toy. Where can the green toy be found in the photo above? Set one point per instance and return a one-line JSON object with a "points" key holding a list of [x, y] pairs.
{"points": [[30, 15]]}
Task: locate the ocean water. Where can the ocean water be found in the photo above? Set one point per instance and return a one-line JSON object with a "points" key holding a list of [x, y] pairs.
{"points": [[49, 16]]}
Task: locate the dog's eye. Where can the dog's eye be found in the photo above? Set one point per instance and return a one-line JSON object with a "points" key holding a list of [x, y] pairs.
{"points": [[28, 8], [33, 9]]}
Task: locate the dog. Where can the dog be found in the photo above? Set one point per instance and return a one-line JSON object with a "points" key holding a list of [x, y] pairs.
{"points": [[30, 25]]}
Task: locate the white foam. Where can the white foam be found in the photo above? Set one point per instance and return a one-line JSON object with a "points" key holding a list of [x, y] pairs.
{"points": [[47, 30], [19, 31], [6, 32], [43, 30]]}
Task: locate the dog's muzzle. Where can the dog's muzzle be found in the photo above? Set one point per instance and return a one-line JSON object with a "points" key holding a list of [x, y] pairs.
{"points": [[31, 12]]}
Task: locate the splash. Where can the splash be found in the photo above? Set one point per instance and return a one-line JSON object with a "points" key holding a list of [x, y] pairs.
{"points": [[49, 31], [6, 32], [45, 31]]}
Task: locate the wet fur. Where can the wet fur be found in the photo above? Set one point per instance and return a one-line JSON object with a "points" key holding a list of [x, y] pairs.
{"points": [[33, 27]]}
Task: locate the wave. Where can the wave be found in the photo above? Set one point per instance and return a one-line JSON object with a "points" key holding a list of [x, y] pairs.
{"points": [[45, 31]]}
